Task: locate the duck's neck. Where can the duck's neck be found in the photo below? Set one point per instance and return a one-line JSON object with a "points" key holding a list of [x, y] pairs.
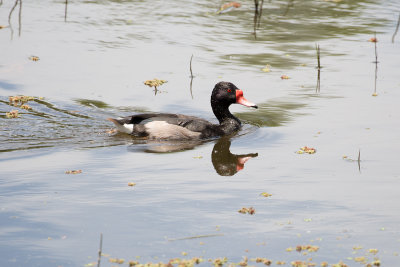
{"points": [[228, 122]]}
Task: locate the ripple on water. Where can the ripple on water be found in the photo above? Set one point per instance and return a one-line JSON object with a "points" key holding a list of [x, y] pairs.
{"points": [[55, 125], [80, 125]]}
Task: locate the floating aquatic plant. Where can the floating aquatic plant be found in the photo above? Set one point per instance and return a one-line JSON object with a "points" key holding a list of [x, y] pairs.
{"points": [[73, 172], [27, 107], [308, 248], [307, 150], [154, 83], [249, 210], [19, 99], [34, 58], [267, 68], [12, 114], [119, 261]]}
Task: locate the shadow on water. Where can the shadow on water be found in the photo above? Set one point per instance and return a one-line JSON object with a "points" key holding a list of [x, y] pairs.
{"points": [[8, 86]]}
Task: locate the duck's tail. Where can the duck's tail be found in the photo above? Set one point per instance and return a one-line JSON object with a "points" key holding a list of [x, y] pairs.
{"points": [[121, 126]]}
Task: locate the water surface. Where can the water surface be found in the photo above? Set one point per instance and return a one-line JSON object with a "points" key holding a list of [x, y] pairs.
{"points": [[187, 195]]}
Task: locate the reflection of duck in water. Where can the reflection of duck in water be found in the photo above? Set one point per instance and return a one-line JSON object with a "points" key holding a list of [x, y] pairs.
{"points": [[225, 163], [228, 7], [166, 126]]}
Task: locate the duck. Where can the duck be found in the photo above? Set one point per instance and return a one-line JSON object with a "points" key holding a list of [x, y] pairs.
{"points": [[169, 126]]}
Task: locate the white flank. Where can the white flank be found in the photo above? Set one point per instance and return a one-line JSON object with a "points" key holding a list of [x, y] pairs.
{"points": [[126, 128], [164, 130]]}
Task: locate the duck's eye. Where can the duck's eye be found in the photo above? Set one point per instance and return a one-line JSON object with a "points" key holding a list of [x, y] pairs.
{"points": [[229, 91]]}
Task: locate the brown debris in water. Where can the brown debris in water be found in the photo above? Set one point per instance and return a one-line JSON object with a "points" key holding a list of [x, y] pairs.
{"points": [[307, 150], [265, 194], [302, 264], [267, 68], [19, 99], [155, 82], [219, 262], [73, 172], [374, 263], [308, 248], [340, 264], [119, 261], [249, 210], [265, 261], [373, 40], [34, 58], [26, 107], [12, 114], [373, 251], [244, 262]]}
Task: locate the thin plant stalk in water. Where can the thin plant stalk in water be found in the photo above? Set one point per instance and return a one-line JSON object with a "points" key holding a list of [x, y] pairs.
{"points": [[11, 11], [66, 8], [190, 67], [19, 17], [255, 18], [100, 249], [191, 76], [376, 63], [318, 87], [397, 28], [260, 13], [289, 5], [258, 6]]}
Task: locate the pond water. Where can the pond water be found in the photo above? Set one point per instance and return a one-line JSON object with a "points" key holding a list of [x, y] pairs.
{"points": [[185, 201]]}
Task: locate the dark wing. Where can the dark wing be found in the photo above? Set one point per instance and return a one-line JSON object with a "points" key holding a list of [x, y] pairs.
{"points": [[191, 123]]}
